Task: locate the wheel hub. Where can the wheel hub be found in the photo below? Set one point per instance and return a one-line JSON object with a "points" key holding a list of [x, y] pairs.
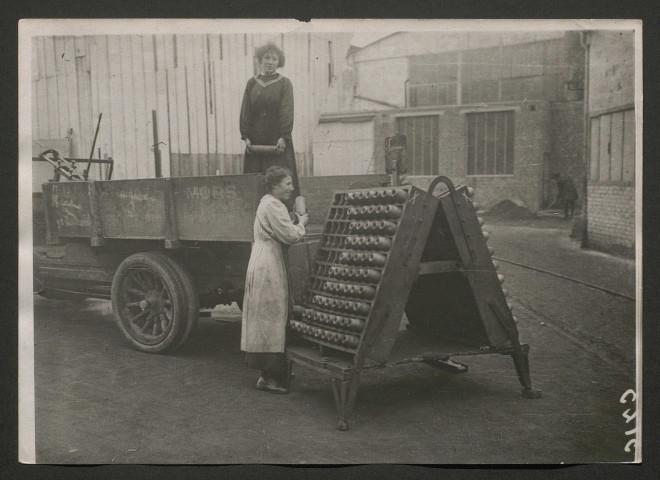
{"points": [[152, 301]]}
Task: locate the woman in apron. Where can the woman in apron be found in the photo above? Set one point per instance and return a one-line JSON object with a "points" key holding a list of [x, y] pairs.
{"points": [[266, 301], [267, 117]]}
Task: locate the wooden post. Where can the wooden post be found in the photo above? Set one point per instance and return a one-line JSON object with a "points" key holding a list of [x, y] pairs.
{"points": [[171, 230], [95, 214]]}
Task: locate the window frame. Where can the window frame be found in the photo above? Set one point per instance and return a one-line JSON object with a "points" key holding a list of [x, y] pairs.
{"points": [[478, 111], [411, 161]]}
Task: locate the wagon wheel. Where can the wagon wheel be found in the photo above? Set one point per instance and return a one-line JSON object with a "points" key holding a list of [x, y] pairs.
{"points": [[191, 297], [149, 302]]}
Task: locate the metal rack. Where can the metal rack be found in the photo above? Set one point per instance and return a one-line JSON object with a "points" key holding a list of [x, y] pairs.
{"points": [[386, 250]]}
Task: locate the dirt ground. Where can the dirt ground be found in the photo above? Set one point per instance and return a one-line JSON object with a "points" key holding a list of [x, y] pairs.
{"points": [[99, 401]]}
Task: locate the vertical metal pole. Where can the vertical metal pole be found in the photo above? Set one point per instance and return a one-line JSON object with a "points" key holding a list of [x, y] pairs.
{"points": [[154, 123], [584, 42], [91, 153]]}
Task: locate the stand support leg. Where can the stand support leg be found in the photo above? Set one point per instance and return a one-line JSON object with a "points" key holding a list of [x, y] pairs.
{"points": [[521, 361], [519, 355], [336, 394], [345, 391]]}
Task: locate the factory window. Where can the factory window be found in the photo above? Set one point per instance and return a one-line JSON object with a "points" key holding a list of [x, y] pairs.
{"points": [[490, 143], [421, 133], [432, 80], [613, 147]]}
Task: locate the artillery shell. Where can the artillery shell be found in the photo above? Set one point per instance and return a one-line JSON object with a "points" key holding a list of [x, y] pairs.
{"points": [[381, 243], [355, 324], [370, 276], [353, 212], [387, 227], [391, 211], [365, 292], [376, 259], [360, 308], [351, 341], [397, 195]]}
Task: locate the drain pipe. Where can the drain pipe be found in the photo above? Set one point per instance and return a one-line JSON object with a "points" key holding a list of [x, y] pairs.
{"points": [[584, 42]]}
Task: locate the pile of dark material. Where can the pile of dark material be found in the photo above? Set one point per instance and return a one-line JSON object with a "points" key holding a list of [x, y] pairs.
{"points": [[506, 209]]}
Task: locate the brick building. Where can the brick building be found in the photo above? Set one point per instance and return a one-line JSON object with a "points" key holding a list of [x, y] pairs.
{"points": [[500, 111], [611, 114]]}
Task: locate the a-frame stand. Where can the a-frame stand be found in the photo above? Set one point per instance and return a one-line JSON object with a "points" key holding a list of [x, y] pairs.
{"points": [[386, 250]]}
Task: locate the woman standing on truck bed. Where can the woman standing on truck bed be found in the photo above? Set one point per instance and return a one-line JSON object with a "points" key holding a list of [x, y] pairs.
{"points": [[265, 305], [267, 116]]}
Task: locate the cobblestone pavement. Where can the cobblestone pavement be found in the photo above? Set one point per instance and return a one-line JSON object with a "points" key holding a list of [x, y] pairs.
{"points": [[99, 401]]}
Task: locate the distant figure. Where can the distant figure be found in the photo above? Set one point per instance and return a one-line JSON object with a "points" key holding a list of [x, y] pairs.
{"points": [[267, 117], [566, 194]]}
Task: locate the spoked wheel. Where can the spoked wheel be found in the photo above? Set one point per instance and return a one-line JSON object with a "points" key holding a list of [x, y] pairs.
{"points": [[190, 294], [149, 302]]}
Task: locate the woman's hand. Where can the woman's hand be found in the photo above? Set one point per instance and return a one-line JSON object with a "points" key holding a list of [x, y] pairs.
{"points": [[281, 145], [248, 145], [302, 219]]}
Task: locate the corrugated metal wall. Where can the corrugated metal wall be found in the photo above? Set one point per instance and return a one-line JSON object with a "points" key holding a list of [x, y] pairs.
{"points": [[189, 86]]}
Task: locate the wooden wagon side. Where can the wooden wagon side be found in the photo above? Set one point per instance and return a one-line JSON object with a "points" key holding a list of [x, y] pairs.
{"points": [[192, 235]]}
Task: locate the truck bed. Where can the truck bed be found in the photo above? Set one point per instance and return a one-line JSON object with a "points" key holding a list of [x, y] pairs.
{"points": [[209, 208]]}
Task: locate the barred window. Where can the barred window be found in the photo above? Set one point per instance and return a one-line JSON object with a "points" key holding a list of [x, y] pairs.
{"points": [[490, 143], [421, 133]]}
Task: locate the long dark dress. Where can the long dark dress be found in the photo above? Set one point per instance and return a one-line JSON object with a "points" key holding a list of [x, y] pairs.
{"points": [[266, 116]]}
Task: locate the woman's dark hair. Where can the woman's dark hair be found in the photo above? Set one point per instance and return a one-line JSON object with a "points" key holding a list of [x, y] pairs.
{"points": [[274, 175], [269, 48]]}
